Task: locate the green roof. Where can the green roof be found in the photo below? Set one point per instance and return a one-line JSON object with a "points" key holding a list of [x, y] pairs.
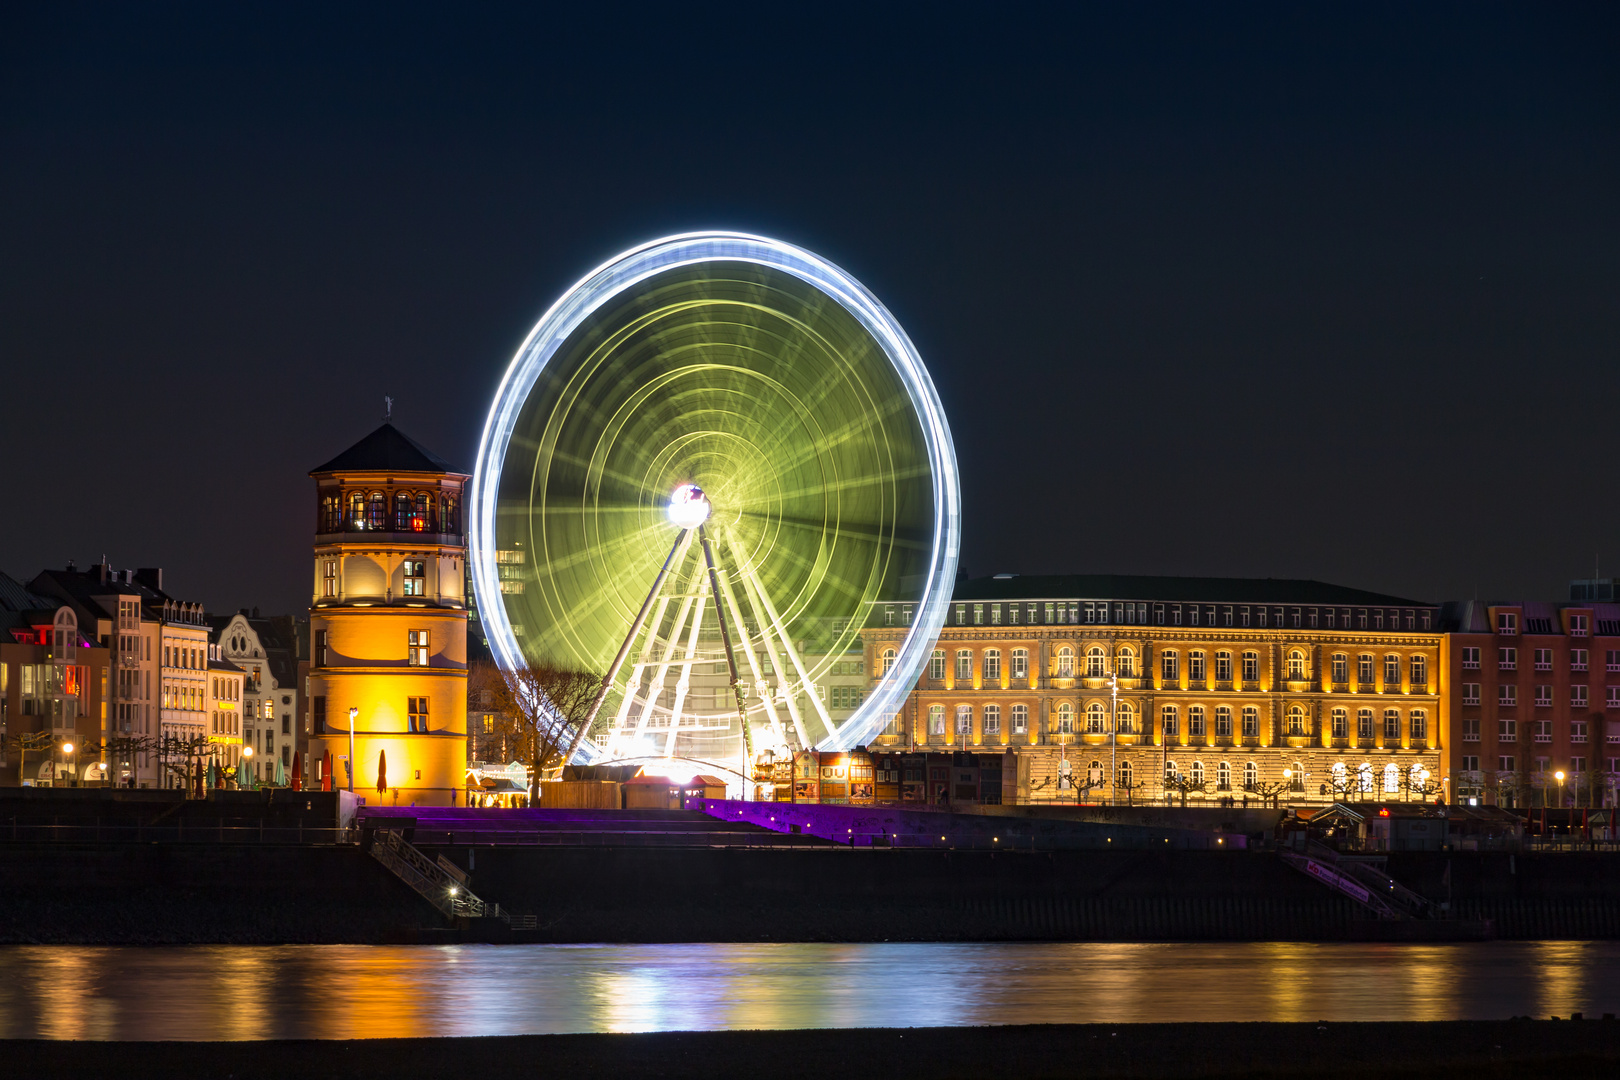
{"points": [[1174, 589]]}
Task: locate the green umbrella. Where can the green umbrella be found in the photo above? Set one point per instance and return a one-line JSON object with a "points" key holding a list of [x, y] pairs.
{"points": [[244, 774], [281, 775]]}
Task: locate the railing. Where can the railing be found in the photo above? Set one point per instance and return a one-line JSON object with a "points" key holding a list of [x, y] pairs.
{"points": [[438, 881], [175, 832]]}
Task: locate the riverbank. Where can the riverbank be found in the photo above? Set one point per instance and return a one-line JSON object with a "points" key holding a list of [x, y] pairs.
{"points": [[1519, 1048]]}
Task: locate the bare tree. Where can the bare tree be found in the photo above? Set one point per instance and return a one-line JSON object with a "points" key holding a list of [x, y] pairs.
{"points": [[1185, 785], [539, 708]]}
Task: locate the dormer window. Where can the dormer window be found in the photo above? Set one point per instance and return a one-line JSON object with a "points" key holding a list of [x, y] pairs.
{"points": [[1507, 622]]}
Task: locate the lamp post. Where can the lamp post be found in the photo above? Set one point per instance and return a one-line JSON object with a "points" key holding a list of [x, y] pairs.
{"points": [[1113, 734], [67, 748], [354, 714], [247, 763]]}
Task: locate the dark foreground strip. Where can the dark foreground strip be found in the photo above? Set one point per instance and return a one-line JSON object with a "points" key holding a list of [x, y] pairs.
{"points": [[1565, 1049]]}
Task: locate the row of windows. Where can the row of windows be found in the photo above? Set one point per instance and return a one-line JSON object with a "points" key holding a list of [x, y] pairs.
{"points": [[1096, 665], [1094, 721], [1508, 763], [1507, 730], [1139, 613], [1507, 622], [1507, 659], [399, 511], [1507, 696]]}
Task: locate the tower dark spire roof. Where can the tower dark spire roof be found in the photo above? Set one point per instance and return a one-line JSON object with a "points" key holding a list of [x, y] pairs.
{"points": [[387, 450]]}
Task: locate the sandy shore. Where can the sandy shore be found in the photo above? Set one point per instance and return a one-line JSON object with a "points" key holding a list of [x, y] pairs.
{"points": [[1564, 1049]]}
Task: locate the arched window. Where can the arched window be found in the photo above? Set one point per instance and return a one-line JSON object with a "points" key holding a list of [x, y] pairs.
{"points": [[1251, 667], [1167, 721], [1251, 722], [1223, 721], [964, 666], [1127, 663], [1065, 663], [1020, 719], [1414, 778], [1125, 780], [1251, 776], [936, 665], [1094, 773], [1096, 662], [1392, 670], [936, 719], [1296, 720], [1341, 668], [992, 719], [1223, 777], [377, 512], [1296, 665], [1170, 771], [1195, 721], [1296, 782], [992, 665], [1020, 663], [449, 514], [331, 513], [1095, 719], [1065, 718], [1364, 723], [1392, 725], [1223, 666], [1169, 666], [1420, 725], [1341, 723], [1364, 669], [357, 510], [1196, 773], [1420, 672], [1364, 777], [888, 661], [1392, 778], [1127, 718], [964, 720], [1195, 666]]}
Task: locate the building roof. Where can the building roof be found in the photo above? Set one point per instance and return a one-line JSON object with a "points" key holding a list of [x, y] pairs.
{"points": [[15, 596], [387, 450], [1193, 589]]}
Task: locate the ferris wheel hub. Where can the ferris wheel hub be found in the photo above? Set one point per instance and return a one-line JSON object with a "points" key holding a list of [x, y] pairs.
{"points": [[688, 506]]}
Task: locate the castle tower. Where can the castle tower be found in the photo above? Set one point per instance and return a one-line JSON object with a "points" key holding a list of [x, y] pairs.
{"points": [[388, 624]]}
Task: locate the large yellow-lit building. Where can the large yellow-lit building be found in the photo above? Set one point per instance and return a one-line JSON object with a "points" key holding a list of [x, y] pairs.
{"points": [[1103, 687], [388, 624]]}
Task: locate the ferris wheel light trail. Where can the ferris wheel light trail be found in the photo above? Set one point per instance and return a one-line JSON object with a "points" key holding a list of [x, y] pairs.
{"points": [[728, 384]]}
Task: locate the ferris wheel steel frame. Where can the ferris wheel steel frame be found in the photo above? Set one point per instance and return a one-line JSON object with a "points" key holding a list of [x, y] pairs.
{"points": [[608, 281]]}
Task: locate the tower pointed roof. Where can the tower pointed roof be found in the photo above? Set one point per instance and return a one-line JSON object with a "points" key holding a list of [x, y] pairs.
{"points": [[387, 450]]}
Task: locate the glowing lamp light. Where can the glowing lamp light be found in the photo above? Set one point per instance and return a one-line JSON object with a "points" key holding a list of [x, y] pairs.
{"points": [[688, 506], [67, 748], [247, 751], [1559, 776]]}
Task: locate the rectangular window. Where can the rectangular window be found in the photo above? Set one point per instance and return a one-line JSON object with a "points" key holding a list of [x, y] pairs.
{"points": [[978, 614], [1020, 719], [1470, 693], [1392, 725], [320, 648], [1578, 659], [1506, 762], [1420, 725], [1470, 764], [1507, 622], [1364, 723], [1341, 724], [1507, 730], [1507, 695], [1420, 672], [1364, 668], [964, 665], [1543, 659], [1392, 670], [1611, 699], [1012, 614], [1577, 626], [1223, 667], [1470, 658], [1020, 663], [1470, 730], [1611, 660], [415, 577], [317, 712], [1544, 696], [995, 614], [1167, 719], [1168, 666], [417, 647], [1251, 723], [936, 666], [1341, 668], [417, 714], [1577, 731], [1195, 721], [1195, 666], [1051, 614], [1577, 764], [992, 719], [1223, 722], [1577, 696], [1507, 659], [329, 579], [992, 665], [1251, 667]]}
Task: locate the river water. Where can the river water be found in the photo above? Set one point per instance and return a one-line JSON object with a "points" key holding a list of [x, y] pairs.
{"points": [[343, 991]]}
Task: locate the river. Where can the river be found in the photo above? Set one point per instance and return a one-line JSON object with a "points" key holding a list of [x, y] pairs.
{"points": [[342, 991]]}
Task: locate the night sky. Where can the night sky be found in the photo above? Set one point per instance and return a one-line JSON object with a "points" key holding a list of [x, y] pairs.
{"points": [[1309, 290]]}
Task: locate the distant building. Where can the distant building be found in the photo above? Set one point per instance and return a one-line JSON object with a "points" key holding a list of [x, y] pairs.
{"points": [[1534, 692], [53, 683], [226, 709], [1227, 683], [159, 648], [266, 649], [388, 623]]}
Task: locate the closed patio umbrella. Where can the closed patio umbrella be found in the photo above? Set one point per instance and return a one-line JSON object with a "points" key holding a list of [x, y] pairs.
{"points": [[326, 771], [281, 774], [382, 771], [297, 772]]}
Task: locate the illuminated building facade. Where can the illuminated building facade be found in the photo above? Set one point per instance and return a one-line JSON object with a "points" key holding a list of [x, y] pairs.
{"points": [[1107, 688], [53, 693], [266, 650], [1535, 693], [388, 624], [227, 709]]}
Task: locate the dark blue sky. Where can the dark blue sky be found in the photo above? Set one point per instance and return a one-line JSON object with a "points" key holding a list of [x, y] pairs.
{"points": [[1299, 290]]}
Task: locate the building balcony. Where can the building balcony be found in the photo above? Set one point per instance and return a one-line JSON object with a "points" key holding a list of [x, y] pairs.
{"points": [[1250, 686], [1195, 684], [1366, 688], [1339, 688], [1301, 686], [1222, 685]]}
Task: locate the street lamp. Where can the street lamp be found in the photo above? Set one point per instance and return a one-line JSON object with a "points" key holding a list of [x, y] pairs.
{"points": [[1559, 776], [354, 714], [67, 748], [247, 763]]}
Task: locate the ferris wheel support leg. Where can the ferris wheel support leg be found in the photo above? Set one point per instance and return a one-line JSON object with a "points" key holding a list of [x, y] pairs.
{"points": [[622, 719], [731, 657], [753, 662], [624, 650], [793, 655], [648, 704], [683, 681], [751, 587]]}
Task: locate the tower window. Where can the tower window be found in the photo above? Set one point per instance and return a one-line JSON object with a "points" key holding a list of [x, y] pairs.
{"points": [[417, 647], [329, 578], [417, 714], [415, 577]]}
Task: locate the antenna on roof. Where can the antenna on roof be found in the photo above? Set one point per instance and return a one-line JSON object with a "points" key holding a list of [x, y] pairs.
{"points": [[388, 407]]}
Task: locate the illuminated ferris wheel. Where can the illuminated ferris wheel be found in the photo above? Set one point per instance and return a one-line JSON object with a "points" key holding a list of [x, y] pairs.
{"points": [[707, 464]]}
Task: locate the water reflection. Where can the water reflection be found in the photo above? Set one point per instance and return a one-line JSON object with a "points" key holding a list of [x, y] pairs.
{"points": [[332, 992]]}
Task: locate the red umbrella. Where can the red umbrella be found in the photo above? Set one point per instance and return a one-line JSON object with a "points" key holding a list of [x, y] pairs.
{"points": [[298, 772], [382, 771], [326, 771]]}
